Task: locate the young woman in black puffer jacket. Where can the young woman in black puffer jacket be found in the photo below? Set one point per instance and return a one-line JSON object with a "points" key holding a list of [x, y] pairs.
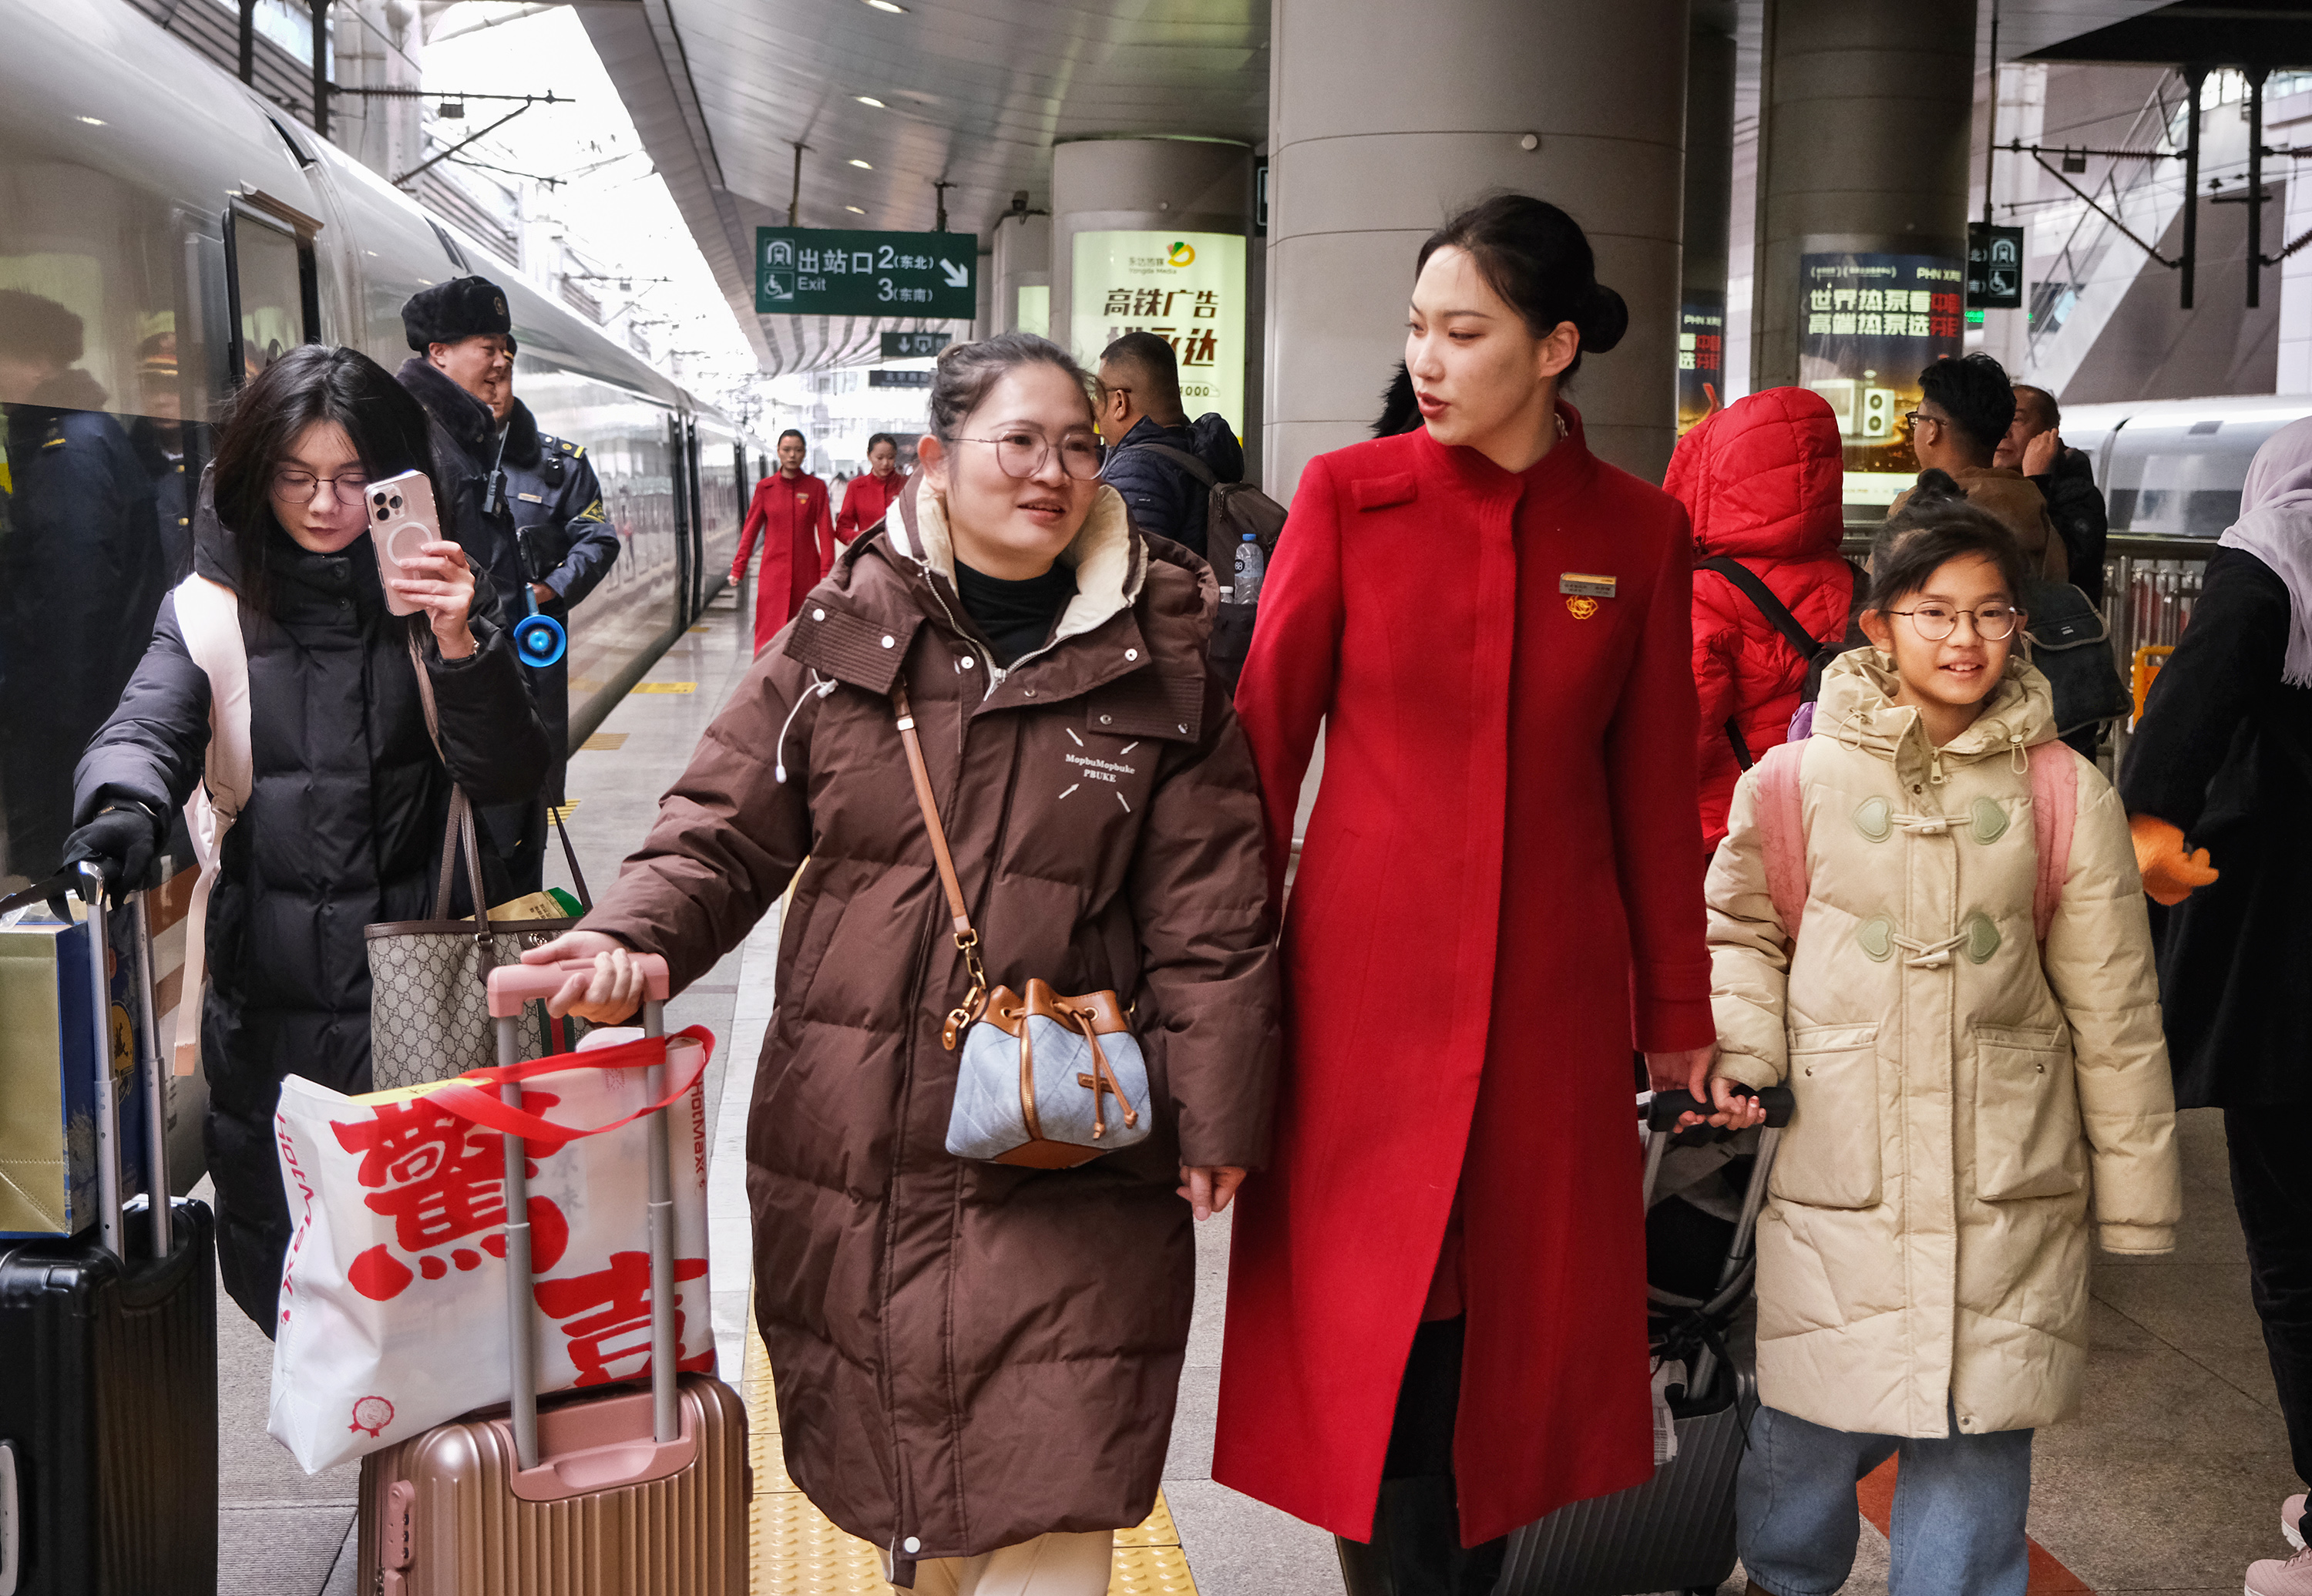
{"points": [[343, 824]]}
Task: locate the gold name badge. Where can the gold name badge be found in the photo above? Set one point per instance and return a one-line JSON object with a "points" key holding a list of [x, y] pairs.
{"points": [[1586, 585]]}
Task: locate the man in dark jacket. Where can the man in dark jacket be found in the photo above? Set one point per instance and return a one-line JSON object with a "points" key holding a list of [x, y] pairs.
{"points": [[569, 545], [2065, 479], [463, 336], [81, 571], [1139, 405]]}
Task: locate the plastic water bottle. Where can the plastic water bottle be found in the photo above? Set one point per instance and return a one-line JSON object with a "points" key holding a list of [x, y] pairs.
{"points": [[1251, 565]]}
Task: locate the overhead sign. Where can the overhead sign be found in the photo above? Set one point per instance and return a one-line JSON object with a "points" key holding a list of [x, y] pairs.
{"points": [[1994, 267], [1187, 288], [825, 271], [879, 377], [913, 346], [1868, 325]]}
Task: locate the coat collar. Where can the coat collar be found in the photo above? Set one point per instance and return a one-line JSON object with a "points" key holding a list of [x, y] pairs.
{"points": [[1857, 706], [1139, 621], [523, 441], [1109, 556], [462, 416], [1565, 471]]}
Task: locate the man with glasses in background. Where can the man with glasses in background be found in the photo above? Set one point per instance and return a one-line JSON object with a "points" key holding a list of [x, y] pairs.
{"points": [[790, 509], [1965, 408]]}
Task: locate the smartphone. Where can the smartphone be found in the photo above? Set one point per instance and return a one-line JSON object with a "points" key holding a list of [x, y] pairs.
{"points": [[401, 522]]}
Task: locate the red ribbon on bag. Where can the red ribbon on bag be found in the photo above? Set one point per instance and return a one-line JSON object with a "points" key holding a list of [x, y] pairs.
{"points": [[484, 1108]]}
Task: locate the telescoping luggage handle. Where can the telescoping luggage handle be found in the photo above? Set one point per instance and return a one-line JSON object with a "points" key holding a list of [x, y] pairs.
{"points": [[90, 884], [510, 988], [1662, 1115]]}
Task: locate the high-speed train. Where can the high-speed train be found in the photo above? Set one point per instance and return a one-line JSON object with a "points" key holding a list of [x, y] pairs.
{"points": [[164, 232], [2175, 468]]}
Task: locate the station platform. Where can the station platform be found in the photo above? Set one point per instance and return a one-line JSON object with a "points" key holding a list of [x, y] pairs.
{"points": [[2170, 1481]]}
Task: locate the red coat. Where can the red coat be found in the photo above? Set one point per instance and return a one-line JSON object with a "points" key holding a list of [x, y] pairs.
{"points": [[864, 502], [798, 548], [1502, 874], [1763, 480]]}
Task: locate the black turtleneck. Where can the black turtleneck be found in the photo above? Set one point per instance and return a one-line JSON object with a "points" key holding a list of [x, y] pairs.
{"points": [[1015, 616]]}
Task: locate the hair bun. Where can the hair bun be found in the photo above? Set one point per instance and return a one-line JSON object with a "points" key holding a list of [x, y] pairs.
{"points": [[1603, 319], [1937, 485]]}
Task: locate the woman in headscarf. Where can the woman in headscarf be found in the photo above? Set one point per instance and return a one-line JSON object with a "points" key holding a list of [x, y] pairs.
{"points": [[2217, 784]]}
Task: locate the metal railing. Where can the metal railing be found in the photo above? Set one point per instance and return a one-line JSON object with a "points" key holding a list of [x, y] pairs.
{"points": [[2150, 585]]}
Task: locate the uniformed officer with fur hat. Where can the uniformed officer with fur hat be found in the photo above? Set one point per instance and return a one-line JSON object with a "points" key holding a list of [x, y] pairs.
{"points": [[569, 545], [462, 333]]}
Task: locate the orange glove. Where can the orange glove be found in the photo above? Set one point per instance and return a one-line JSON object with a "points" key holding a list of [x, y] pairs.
{"points": [[2170, 873]]}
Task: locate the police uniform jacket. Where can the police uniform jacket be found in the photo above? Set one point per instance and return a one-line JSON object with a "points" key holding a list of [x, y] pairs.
{"points": [[566, 545], [466, 458]]}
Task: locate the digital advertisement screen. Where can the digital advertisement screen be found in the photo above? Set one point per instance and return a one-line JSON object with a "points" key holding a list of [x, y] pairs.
{"points": [[1868, 325]]}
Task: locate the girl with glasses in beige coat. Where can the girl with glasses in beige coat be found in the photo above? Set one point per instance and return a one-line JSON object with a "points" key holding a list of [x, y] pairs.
{"points": [[1973, 1049]]}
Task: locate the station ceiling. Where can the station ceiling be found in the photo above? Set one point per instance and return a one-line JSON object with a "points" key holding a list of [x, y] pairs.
{"points": [[972, 91]]}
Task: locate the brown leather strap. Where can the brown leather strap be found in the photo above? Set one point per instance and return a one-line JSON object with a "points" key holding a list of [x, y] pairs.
{"points": [[929, 806], [460, 826]]}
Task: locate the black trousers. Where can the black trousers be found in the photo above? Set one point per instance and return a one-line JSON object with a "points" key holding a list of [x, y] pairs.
{"points": [[1416, 1547], [2272, 1186]]}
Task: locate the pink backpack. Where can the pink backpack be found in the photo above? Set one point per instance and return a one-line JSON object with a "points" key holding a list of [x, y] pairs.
{"points": [[1781, 830]]}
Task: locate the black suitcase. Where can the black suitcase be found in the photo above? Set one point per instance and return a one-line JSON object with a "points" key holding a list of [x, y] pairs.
{"points": [[107, 1401], [1675, 1532]]}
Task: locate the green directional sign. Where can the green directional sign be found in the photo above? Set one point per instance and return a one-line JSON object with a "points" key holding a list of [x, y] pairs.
{"points": [[825, 271]]}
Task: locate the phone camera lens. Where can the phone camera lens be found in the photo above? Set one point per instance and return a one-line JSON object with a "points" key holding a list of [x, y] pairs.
{"points": [[397, 501]]}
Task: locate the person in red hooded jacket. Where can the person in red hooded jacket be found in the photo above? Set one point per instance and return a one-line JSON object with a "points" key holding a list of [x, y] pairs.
{"points": [[1762, 483]]}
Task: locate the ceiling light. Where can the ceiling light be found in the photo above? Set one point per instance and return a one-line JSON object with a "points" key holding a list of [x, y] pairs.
{"points": [[854, 210], [897, 10], [861, 165], [91, 121], [871, 99]]}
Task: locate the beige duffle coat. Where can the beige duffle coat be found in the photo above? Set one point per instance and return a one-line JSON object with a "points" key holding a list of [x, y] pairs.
{"points": [[1961, 1090]]}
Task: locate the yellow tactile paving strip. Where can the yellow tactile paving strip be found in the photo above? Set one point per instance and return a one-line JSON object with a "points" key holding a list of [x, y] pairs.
{"points": [[796, 1552]]}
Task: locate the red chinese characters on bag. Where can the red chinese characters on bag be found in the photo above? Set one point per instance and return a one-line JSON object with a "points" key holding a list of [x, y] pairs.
{"points": [[442, 1180], [615, 1329]]}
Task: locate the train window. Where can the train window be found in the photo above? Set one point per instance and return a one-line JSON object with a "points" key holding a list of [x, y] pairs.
{"points": [[270, 283]]}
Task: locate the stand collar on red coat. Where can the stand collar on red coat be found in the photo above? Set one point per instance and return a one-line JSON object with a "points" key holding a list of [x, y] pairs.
{"points": [[1562, 472]]}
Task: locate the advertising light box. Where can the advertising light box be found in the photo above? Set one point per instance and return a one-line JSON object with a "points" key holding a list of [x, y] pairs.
{"points": [[1868, 326], [1187, 288]]}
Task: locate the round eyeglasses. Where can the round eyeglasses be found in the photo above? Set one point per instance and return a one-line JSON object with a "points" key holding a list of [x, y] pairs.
{"points": [[1022, 453], [1993, 623], [294, 484]]}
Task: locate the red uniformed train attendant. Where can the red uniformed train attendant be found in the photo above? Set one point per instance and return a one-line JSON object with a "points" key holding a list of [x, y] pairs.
{"points": [[873, 490], [790, 509], [1441, 1274]]}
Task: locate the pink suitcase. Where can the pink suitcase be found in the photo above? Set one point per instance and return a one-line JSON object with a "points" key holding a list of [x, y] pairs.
{"points": [[627, 1492]]}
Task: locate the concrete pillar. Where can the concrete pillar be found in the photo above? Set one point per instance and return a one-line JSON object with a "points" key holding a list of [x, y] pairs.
{"points": [[1386, 120], [1708, 208], [1023, 259], [1165, 187], [1865, 113]]}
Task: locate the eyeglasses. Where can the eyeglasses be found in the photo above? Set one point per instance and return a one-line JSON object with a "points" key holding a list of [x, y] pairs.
{"points": [[1993, 623], [1913, 418], [291, 484], [1022, 453]]}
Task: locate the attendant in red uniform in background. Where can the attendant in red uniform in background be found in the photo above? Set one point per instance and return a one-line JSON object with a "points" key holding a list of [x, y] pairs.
{"points": [[873, 491], [790, 509], [1436, 1326]]}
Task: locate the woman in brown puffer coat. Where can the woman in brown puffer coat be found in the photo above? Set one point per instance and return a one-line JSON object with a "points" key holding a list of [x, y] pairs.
{"points": [[975, 1362]]}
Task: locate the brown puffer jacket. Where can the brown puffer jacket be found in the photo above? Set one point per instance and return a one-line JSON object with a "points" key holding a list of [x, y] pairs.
{"points": [[970, 1355]]}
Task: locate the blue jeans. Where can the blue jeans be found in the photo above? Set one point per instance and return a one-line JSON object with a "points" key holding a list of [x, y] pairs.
{"points": [[1959, 1504]]}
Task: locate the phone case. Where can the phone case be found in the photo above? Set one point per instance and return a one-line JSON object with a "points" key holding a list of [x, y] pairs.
{"points": [[401, 521]]}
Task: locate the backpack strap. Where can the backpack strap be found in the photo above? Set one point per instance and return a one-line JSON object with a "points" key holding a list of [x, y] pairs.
{"points": [[1182, 459], [1778, 615], [1782, 832], [208, 617], [2054, 808]]}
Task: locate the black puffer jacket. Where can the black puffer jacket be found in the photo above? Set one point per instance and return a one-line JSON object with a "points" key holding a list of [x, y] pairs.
{"points": [[342, 828], [1166, 501]]}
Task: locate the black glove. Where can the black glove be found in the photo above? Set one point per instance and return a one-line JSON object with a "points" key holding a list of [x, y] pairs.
{"points": [[121, 842]]}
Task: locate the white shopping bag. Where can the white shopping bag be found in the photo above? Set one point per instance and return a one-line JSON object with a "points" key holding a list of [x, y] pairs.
{"points": [[393, 1306]]}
